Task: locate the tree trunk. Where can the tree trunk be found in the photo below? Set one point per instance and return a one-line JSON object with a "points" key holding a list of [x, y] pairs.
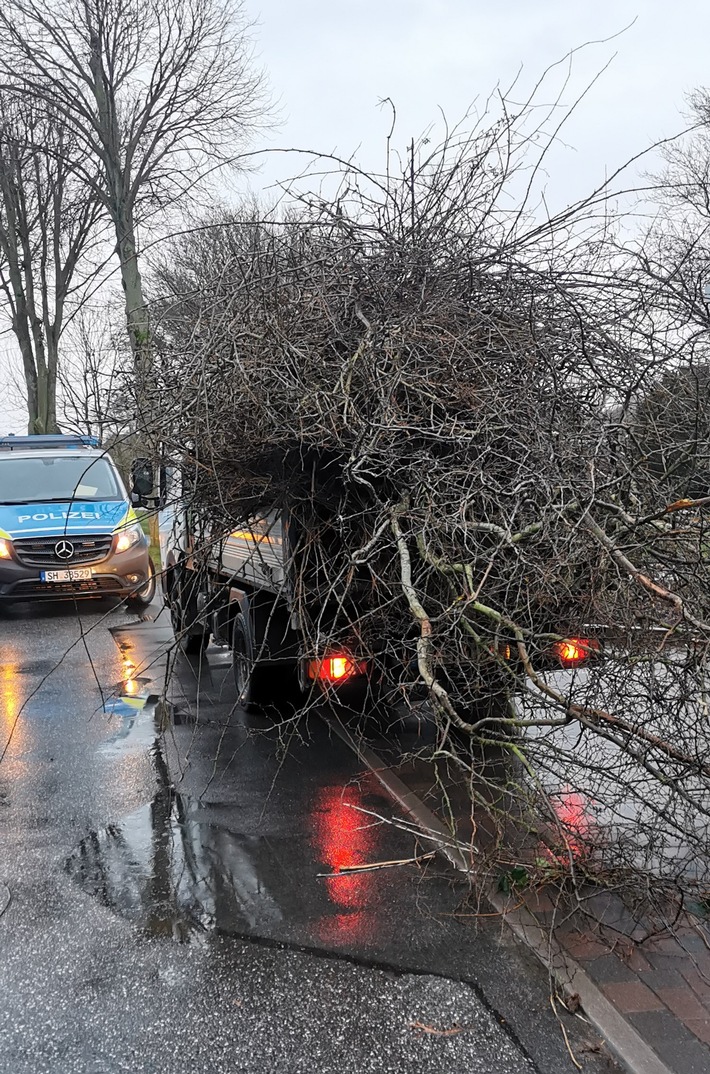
{"points": [[28, 365], [21, 327], [137, 323], [48, 393], [120, 207], [137, 319]]}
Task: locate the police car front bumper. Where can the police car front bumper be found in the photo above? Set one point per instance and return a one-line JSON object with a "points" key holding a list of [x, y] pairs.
{"points": [[118, 575]]}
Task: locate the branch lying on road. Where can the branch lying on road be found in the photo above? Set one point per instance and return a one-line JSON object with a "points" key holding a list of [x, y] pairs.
{"points": [[372, 866]]}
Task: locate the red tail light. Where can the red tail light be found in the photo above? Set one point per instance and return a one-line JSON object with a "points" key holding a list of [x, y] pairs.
{"points": [[335, 668], [574, 651]]}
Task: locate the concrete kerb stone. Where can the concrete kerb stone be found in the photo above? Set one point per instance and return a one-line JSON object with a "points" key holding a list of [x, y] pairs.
{"points": [[627, 1044]]}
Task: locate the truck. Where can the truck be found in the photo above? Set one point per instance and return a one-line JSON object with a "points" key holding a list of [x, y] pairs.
{"points": [[255, 589], [68, 527], [238, 588]]}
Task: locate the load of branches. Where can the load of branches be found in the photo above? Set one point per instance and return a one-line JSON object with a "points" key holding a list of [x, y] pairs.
{"points": [[443, 391]]}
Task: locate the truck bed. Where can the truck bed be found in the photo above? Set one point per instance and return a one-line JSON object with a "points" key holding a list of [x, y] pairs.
{"points": [[255, 554]]}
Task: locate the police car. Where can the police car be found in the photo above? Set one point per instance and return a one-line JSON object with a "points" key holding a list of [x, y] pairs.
{"points": [[67, 524]]}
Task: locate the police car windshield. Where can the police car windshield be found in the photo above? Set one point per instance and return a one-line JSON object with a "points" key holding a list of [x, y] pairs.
{"points": [[57, 479]]}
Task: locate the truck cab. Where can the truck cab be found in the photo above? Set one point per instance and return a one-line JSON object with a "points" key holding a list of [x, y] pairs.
{"points": [[67, 524]]}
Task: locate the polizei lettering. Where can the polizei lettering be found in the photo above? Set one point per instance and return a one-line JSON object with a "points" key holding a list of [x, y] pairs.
{"points": [[57, 516]]}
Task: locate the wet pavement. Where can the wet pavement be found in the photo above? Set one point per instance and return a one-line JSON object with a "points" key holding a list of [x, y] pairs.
{"points": [[638, 965], [127, 827]]}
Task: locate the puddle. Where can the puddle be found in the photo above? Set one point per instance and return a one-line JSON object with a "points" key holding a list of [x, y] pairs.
{"points": [[174, 874], [129, 696], [129, 708], [176, 868]]}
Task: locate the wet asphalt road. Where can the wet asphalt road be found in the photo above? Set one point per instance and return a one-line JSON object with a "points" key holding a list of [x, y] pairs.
{"points": [[167, 912]]}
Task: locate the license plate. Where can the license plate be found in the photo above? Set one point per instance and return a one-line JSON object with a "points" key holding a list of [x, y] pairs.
{"points": [[80, 574]]}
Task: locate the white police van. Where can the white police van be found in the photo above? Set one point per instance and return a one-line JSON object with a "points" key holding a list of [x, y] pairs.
{"points": [[67, 525]]}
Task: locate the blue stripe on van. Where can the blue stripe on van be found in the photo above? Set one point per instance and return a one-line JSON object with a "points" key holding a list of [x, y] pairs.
{"points": [[37, 519]]}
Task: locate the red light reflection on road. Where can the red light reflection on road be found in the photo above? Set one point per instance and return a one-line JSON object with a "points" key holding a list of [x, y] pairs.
{"points": [[344, 837], [575, 825]]}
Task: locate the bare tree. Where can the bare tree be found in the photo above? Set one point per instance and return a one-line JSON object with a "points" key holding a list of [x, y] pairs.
{"points": [[670, 259], [95, 371], [436, 385], [47, 219], [671, 425], [666, 269], [159, 94]]}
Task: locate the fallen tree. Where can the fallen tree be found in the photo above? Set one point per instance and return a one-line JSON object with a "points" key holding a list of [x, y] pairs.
{"points": [[437, 386]]}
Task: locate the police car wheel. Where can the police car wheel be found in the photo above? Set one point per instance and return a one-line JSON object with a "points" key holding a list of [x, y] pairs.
{"points": [[140, 600]]}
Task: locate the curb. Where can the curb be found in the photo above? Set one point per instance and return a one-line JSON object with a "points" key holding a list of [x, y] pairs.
{"points": [[627, 1045]]}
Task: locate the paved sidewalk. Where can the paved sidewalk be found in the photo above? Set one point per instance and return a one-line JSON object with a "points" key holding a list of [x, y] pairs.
{"points": [[657, 979], [645, 985]]}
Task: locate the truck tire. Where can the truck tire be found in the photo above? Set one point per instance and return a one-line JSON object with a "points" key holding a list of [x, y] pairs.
{"points": [[190, 634], [259, 688], [245, 676]]}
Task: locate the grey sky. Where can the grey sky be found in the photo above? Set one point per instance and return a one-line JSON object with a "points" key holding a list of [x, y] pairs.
{"points": [[330, 62]]}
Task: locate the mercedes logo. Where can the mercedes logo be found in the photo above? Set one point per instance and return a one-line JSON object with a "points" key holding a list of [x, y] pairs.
{"points": [[64, 550]]}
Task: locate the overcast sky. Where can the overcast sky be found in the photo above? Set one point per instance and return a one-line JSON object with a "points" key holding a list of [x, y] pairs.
{"points": [[330, 62]]}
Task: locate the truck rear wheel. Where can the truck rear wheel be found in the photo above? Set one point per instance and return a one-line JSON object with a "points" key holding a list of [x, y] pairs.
{"points": [[243, 664], [259, 687]]}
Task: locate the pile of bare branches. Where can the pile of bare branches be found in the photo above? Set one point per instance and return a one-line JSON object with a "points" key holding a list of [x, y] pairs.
{"points": [[442, 390]]}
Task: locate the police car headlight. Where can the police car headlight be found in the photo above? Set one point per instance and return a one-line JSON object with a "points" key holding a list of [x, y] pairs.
{"points": [[128, 538], [5, 549]]}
